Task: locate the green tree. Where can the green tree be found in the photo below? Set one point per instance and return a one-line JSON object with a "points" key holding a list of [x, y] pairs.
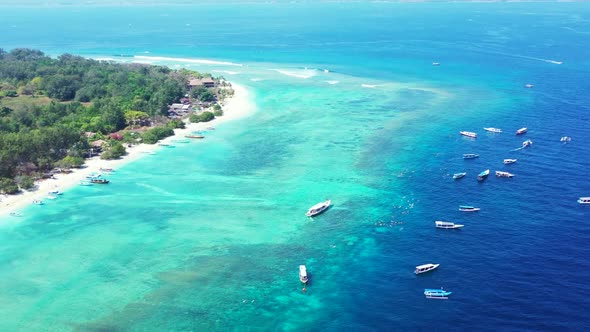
{"points": [[8, 186], [134, 118], [70, 162], [116, 151], [26, 182]]}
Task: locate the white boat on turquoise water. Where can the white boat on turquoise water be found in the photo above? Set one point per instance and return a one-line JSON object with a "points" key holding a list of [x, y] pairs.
{"points": [[425, 268], [493, 130], [509, 161], [85, 183], [303, 274], [483, 175], [470, 156], [468, 208], [521, 131], [501, 174], [318, 208], [527, 143], [51, 197], [584, 200], [459, 175], [468, 134], [447, 225], [55, 192]]}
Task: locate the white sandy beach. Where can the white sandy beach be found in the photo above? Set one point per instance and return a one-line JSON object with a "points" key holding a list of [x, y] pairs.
{"points": [[239, 106]]}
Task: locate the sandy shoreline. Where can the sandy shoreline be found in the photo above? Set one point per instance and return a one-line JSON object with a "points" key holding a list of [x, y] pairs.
{"points": [[239, 106]]}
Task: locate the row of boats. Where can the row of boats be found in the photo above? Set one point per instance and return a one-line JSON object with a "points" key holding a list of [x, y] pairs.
{"points": [[483, 175], [315, 210], [491, 130]]}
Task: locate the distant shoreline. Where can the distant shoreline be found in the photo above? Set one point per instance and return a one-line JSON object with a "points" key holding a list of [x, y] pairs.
{"points": [[237, 107]]}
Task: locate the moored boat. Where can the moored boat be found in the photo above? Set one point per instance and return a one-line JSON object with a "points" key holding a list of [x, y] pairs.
{"points": [[85, 183], [425, 268], [468, 208], [436, 63], [99, 181], [528, 86], [447, 225], [318, 208], [483, 175], [15, 214], [459, 175], [565, 139], [468, 134], [504, 174], [509, 161], [436, 294], [303, 274], [55, 192], [584, 200], [521, 131], [38, 202], [493, 130], [527, 143], [105, 169], [194, 136], [470, 156]]}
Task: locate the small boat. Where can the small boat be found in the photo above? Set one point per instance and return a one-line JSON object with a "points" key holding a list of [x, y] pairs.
{"points": [[565, 139], [425, 268], [85, 183], [447, 225], [521, 131], [210, 128], [527, 143], [15, 214], [470, 156], [164, 144], [436, 294], [93, 175], [459, 175], [436, 63], [493, 130], [194, 136], [468, 134], [109, 170], [483, 175], [303, 274], [468, 208], [504, 174], [528, 86], [318, 208], [37, 202], [100, 181], [509, 161], [55, 192], [180, 140], [584, 200]]}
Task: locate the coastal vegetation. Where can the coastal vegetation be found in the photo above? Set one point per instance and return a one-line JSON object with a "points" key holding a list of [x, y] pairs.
{"points": [[54, 112]]}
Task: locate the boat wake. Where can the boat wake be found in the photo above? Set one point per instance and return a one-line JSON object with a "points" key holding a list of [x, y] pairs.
{"points": [[369, 86], [333, 82]]}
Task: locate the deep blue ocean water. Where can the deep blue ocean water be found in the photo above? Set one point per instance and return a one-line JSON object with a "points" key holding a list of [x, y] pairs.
{"points": [[209, 236]]}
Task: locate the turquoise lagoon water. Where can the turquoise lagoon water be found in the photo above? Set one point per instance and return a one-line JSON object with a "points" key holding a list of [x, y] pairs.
{"points": [[209, 235]]}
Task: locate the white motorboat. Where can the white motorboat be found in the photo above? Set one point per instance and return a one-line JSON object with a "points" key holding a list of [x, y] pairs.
{"points": [[509, 161], [528, 86], [527, 143], [425, 268], [459, 175], [521, 131], [303, 274], [584, 200], [447, 225], [565, 139], [493, 130], [504, 174], [468, 208], [468, 134], [318, 208]]}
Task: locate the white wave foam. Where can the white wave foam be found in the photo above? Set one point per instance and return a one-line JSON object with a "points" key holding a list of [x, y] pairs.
{"points": [[369, 86], [304, 73], [104, 59], [199, 61], [143, 62], [229, 72], [333, 82], [256, 79]]}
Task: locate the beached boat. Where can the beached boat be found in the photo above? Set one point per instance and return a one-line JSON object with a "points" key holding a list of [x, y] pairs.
{"points": [[425, 268], [55, 192], [210, 128], [436, 294], [584, 200], [104, 169], [468, 134], [504, 174], [527, 143], [303, 274], [521, 131], [447, 225], [318, 208], [565, 139], [37, 202], [459, 175], [15, 214], [468, 208], [470, 156], [194, 136], [100, 181], [493, 130], [509, 161], [483, 175]]}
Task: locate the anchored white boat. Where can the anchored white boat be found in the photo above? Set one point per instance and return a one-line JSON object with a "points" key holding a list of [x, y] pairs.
{"points": [[584, 200], [521, 131], [459, 175], [37, 202], [447, 225], [468, 208], [303, 274], [470, 156], [55, 192], [468, 134], [493, 130], [483, 175], [425, 268], [439, 294], [565, 139], [527, 143], [509, 161], [504, 174], [318, 208]]}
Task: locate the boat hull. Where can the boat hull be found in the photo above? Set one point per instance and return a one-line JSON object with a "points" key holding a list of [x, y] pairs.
{"points": [[318, 208]]}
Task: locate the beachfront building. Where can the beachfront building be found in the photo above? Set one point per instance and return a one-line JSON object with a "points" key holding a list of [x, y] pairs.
{"points": [[206, 82]]}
